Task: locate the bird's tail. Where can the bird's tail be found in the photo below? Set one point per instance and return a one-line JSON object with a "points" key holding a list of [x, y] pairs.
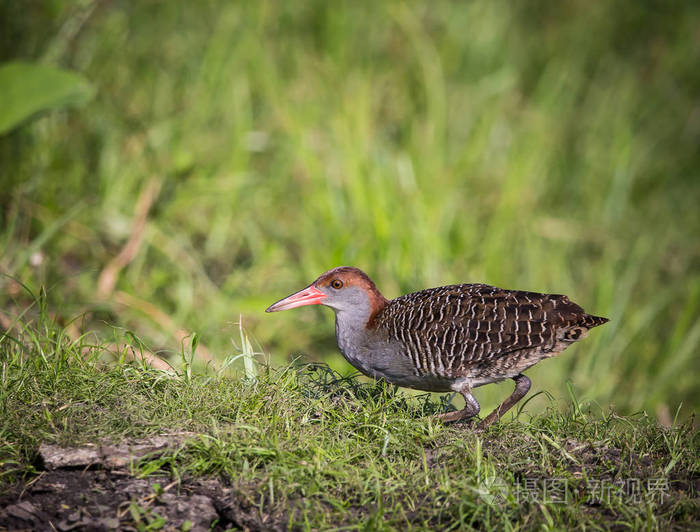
{"points": [[579, 329], [593, 321]]}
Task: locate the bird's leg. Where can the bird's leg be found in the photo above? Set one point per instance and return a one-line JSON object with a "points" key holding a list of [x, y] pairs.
{"points": [[471, 408], [522, 386]]}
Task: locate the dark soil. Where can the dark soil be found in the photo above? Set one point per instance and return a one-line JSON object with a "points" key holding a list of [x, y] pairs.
{"points": [[70, 499], [90, 488]]}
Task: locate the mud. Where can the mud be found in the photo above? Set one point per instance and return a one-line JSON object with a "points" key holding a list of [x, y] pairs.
{"points": [[91, 488], [107, 500]]}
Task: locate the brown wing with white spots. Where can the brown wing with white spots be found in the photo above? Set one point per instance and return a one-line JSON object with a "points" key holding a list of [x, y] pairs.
{"points": [[446, 329]]}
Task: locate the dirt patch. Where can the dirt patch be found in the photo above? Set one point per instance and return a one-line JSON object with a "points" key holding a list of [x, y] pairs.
{"points": [[107, 500], [89, 488]]}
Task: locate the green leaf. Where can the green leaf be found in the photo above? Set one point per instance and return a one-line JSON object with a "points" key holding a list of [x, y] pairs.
{"points": [[28, 89]]}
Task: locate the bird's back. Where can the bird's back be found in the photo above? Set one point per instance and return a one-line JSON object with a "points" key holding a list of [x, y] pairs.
{"points": [[481, 331]]}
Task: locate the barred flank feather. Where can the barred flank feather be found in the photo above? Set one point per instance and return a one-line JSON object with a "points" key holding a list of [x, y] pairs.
{"points": [[446, 329]]}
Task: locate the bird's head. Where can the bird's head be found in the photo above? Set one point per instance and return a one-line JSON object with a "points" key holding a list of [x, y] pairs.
{"points": [[344, 289]]}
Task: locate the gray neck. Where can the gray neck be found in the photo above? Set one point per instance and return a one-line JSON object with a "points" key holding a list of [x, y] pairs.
{"points": [[351, 316], [352, 321], [350, 326], [352, 337]]}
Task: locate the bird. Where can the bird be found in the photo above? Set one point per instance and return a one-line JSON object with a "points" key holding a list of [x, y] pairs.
{"points": [[447, 339]]}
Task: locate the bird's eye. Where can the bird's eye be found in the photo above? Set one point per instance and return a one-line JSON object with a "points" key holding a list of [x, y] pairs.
{"points": [[337, 284]]}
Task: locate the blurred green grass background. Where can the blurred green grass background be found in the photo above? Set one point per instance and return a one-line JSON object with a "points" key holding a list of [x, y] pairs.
{"points": [[545, 146]]}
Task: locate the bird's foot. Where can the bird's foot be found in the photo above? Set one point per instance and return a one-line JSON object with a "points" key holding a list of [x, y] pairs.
{"points": [[457, 415]]}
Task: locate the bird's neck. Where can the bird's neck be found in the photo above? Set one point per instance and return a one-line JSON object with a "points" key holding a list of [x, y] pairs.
{"points": [[352, 323], [354, 320], [352, 335]]}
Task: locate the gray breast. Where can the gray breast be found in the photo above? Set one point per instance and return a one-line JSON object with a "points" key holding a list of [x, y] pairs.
{"points": [[378, 356]]}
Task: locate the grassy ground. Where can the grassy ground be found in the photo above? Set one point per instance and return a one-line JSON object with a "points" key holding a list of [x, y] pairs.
{"points": [[301, 447], [234, 151]]}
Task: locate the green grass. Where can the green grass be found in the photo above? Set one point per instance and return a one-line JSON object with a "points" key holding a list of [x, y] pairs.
{"points": [[308, 449], [235, 150], [551, 147]]}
